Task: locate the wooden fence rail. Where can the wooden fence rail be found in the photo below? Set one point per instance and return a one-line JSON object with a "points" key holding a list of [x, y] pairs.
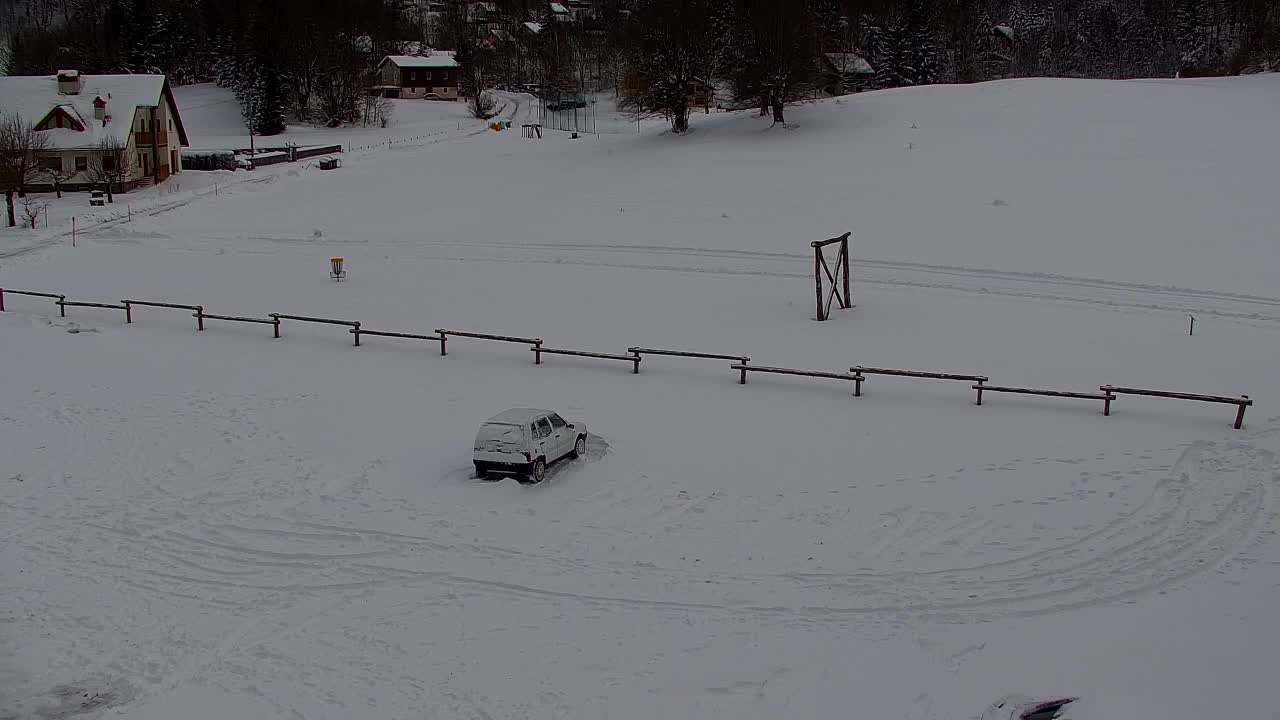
{"points": [[860, 373], [743, 368], [274, 322], [1241, 402], [382, 333], [1105, 397], [128, 311], [856, 373], [354, 325], [55, 296], [175, 306], [444, 338], [637, 351], [538, 351]]}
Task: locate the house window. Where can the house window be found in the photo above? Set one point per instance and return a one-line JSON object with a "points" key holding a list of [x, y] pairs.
{"points": [[170, 124], [413, 74], [108, 163], [82, 163], [50, 162]]}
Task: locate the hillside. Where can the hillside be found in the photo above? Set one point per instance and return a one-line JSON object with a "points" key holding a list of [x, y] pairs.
{"points": [[223, 522]]}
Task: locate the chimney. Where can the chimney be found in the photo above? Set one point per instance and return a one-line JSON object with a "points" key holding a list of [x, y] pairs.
{"points": [[99, 108], [68, 82]]}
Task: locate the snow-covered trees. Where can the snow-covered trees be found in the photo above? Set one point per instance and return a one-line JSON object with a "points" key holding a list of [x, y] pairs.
{"points": [[669, 45]]}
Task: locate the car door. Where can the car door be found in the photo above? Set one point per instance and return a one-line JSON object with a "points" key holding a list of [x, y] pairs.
{"points": [[544, 441], [564, 436]]}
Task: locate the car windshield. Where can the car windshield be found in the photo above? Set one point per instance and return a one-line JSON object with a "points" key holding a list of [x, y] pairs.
{"points": [[499, 437]]}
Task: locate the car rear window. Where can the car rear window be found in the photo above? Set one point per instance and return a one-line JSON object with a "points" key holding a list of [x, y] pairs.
{"points": [[497, 437]]}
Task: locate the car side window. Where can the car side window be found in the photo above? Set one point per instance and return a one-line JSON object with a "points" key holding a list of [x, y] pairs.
{"points": [[557, 422], [542, 429]]}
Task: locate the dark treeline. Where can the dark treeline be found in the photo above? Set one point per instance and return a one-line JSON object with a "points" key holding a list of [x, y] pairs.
{"points": [[312, 59]]}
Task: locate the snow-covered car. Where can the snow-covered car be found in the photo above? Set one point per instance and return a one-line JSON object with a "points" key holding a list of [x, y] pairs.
{"points": [[524, 441]]}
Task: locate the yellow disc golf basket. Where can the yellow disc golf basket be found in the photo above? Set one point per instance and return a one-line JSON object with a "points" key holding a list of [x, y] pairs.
{"points": [[336, 272]]}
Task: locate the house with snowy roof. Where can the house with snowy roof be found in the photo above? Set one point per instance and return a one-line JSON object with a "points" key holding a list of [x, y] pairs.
{"points": [[84, 115], [426, 77], [560, 13], [845, 71]]}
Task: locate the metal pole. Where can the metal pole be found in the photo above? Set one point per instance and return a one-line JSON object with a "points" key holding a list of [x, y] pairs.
{"points": [[1192, 331], [73, 231]]}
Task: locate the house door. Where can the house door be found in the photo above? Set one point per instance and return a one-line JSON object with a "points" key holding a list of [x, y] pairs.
{"points": [[173, 161], [145, 169]]}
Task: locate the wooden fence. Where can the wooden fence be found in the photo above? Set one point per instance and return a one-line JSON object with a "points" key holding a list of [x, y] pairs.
{"points": [[856, 374]]}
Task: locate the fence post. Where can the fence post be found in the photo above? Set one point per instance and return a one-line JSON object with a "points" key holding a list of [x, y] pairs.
{"points": [[128, 312], [200, 317], [1, 299], [1240, 413], [62, 305], [844, 249], [1106, 403], [978, 387], [817, 278], [276, 325], [857, 384], [356, 332]]}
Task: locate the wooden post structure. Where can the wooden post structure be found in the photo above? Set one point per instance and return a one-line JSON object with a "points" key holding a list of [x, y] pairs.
{"points": [[1192, 331], [839, 280]]}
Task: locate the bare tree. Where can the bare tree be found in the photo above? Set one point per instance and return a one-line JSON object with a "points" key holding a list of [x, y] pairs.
{"points": [[111, 165], [57, 176], [20, 144], [31, 209], [376, 110]]}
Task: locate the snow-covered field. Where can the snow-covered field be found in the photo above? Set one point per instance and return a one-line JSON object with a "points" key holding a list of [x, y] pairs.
{"points": [[219, 524]]}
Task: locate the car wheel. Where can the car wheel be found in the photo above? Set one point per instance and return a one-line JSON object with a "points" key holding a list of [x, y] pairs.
{"points": [[539, 470], [580, 447], [481, 472]]}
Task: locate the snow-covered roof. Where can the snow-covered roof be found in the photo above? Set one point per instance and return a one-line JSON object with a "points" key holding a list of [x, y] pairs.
{"points": [[34, 97], [851, 63], [517, 416], [533, 27], [437, 59], [559, 9]]}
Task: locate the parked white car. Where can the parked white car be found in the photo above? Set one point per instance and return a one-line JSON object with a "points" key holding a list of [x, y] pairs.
{"points": [[524, 441]]}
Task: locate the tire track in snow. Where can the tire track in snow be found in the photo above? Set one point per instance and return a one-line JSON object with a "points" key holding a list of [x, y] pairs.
{"points": [[1196, 516]]}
